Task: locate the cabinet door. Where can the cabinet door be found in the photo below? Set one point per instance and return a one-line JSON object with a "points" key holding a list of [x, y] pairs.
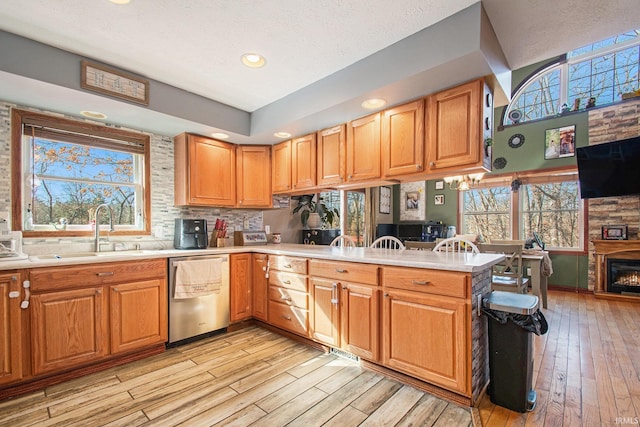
{"points": [[360, 320], [68, 329], [281, 167], [427, 337], [253, 165], [260, 286], [403, 139], [454, 128], [210, 168], [303, 162], [363, 148], [324, 313], [138, 314], [11, 328], [331, 155], [240, 278]]}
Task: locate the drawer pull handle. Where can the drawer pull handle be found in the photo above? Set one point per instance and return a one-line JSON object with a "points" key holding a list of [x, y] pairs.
{"points": [[420, 282], [26, 285], [104, 273], [287, 266], [286, 282], [286, 317], [341, 270], [285, 298]]}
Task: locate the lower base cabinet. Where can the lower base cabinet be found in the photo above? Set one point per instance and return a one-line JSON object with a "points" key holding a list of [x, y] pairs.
{"points": [[360, 325], [68, 328], [137, 315], [10, 327], [324, 312], [426, 336]]}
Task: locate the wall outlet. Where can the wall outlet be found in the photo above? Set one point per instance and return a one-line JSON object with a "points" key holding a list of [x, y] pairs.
{"points": [[528, 271]]}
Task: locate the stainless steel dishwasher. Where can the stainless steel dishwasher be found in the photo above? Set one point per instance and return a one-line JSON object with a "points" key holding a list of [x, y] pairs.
{"points": [[191, 318]]}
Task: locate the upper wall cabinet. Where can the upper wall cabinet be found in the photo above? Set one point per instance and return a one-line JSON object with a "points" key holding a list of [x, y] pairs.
{"points": [[332, 152], [402, 140], [281, 167], [363, 149], [303, 162], [205, 171], [253, 165], [456, 124]]}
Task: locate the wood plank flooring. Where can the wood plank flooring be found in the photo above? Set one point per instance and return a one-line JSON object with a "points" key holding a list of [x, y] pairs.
{"points": [[586, 373], [586, 368], [249, 377]]}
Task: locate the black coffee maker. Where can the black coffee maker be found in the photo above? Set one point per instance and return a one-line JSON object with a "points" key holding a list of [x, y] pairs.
{"points": [[190, 234]]}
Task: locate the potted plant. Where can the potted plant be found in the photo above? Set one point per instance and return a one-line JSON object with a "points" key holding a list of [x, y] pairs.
{"points": [[315, 214]]}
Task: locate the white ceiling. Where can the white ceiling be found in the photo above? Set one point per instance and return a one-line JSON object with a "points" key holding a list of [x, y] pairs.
{"points": [[196, 45]]}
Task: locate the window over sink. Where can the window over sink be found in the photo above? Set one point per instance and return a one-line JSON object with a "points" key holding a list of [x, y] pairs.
{"points": [[63, 169]]}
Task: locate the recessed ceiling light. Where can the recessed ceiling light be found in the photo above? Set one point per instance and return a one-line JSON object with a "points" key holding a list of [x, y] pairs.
{"points": [[282, 135], [373, 103], [120, 1], [220, 135], [253, 60], [94, 114]]}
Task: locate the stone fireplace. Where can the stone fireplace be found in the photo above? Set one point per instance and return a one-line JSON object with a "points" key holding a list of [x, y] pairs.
{"points": [[617, 268]]}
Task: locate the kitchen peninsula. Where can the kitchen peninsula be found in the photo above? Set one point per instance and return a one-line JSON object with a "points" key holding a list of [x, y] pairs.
{"points": [[409, 314]]}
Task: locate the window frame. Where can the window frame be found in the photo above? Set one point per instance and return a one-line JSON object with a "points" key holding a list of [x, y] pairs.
{"points": [[20, 118], [546, 176]]}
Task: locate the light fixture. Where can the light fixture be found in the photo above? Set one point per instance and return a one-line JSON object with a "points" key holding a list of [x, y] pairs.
{"points": [[220, 135], [282, 135], [463, 182], [373, 103], [120, 2], [253, 60], [94, 114]]}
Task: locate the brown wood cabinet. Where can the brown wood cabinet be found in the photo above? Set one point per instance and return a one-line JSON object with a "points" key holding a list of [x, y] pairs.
{"points": [[332, 150], [240, 282], [11, 327], [138, 315], [281, 167], [253, 168], [289, 294], [402, 140], [324, 311], [303, 162], [455, 120], [260, 287], [363, 149], [68, 328], [345, 306], [425, 334], [83, 314], [205, 171]]}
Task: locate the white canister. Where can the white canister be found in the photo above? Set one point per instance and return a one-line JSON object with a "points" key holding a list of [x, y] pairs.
{"points": [[451, 231], [276, 238]]}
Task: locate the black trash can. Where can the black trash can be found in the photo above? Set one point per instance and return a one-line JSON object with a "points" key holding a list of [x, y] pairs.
{"points": [[512, 319]]}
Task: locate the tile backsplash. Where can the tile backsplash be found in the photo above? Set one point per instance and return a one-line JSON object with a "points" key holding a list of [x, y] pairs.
{"points": [[163, 212]]}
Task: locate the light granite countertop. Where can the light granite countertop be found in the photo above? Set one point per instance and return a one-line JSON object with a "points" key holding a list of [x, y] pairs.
{"points": [[471, 263]]}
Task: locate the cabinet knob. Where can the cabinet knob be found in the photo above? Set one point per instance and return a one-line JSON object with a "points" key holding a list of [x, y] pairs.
{"points": [[432, 164], [284, 316], [386, 295]]}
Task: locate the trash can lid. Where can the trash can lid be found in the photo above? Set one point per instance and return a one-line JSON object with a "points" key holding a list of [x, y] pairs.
{"points": [[511, 302]]}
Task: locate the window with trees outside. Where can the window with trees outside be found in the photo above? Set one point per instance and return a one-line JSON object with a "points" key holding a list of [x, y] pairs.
{"points": [[515, 207], [355, 211], [66, 169], [601, 72]]}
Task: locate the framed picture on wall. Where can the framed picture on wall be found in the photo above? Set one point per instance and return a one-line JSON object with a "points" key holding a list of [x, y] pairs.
{"points": [[440, 185], [438, 199], [560, 142], [385, 200], [412, 201]]}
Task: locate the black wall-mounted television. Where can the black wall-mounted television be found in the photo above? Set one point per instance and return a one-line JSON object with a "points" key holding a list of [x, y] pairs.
{"points": [[609, 169]]}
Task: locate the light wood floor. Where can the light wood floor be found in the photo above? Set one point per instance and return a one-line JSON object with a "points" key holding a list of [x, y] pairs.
{"points": [[249, 377], [586, 368], [586, 373]]}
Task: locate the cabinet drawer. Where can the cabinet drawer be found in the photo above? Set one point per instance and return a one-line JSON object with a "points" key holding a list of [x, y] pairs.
{"points": [[288, 280], [449, 283], [289, 297], [287, 263], [287, 317], [344, 271], [64, 277]]}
